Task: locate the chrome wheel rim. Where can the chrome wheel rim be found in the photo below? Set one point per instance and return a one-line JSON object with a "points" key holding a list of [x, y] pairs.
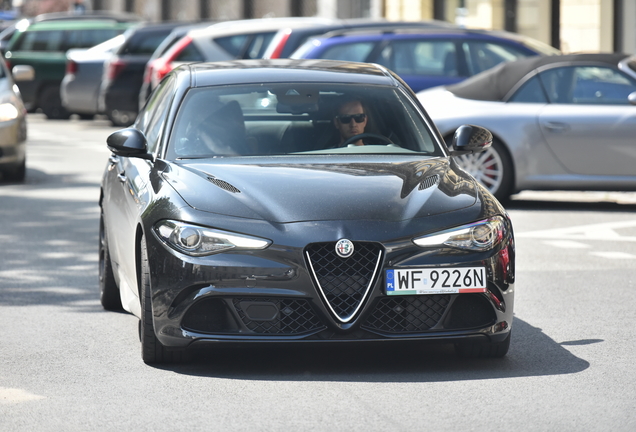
{"points": [[486, 167]]}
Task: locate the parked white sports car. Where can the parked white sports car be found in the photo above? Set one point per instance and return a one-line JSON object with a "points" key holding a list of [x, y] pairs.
{"points": [[559, 122]]}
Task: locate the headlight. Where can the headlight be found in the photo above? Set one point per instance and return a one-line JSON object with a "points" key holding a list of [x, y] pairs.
{"points": [[198, 241], [8, 112], [477, 236]]}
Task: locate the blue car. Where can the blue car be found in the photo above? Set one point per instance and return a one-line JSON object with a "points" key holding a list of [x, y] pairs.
{"points": [[425, 58]]}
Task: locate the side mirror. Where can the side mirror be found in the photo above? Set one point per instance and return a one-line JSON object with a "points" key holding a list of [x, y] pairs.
{"points": [[129, 142], [23, 73], [632, 98], [470, 139]]}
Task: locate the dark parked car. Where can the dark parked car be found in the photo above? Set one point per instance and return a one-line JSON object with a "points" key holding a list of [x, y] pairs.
{"points": [[240, 209], [425, 57], [42, 46], [124, 71]]}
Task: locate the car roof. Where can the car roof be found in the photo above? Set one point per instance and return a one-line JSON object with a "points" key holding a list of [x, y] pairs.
{"points": [[90, 15], [495, 84], [260, 24], [405, 30], [298, 35], [77, 24], [153, 27], [285, 71]]}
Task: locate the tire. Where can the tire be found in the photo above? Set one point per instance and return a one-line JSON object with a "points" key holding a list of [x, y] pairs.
{"points": [[51, 104], [121, 118], [108, 290], [16, 174], [483, 349], [492, 168], [152, 351]]}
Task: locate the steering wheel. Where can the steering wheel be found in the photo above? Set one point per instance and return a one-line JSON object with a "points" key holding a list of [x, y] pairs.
{"points": [[379, 137]]}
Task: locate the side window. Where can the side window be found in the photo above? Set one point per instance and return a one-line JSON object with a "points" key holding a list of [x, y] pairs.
{"points": [[559, 84], [87, 38], [41, 41], [258, 45], [189, 54], [530, 92], [601, 85], [357, 52], [436, 58], [232, 44], [159, 103], [481, 56]]}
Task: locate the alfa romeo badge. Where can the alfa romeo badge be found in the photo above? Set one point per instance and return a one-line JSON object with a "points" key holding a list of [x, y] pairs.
{"points": [[344, 248]]}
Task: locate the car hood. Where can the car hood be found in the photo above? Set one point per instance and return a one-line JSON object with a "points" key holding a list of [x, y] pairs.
{"points": [[315, 191]]}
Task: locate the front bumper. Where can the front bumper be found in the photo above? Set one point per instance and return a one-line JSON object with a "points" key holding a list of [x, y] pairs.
{"points": [[273, 296]]}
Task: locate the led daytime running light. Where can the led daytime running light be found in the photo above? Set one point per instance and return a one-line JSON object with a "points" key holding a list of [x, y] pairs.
{"points": [[200, 241], [477, 236]]}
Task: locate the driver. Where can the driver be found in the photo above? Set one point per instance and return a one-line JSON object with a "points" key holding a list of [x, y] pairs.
{"points": [[350, 120]]}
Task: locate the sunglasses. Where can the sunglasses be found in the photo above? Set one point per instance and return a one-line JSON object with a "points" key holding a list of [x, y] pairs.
{"points": [[346, 119]]}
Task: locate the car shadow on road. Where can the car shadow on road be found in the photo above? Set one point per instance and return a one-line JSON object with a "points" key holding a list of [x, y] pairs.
{"points": [[532, 353]]}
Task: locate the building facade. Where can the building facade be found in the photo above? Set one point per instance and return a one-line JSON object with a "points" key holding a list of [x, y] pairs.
{"points": [[571, 25]]}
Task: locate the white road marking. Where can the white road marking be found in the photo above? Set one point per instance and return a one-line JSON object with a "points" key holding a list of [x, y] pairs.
{"points": [[614, 255], [13, 396], [602, 231], [567, 244]]}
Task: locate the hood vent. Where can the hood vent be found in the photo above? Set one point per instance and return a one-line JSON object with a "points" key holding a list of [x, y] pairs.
{"points": [[223, 185], [429, 182]]}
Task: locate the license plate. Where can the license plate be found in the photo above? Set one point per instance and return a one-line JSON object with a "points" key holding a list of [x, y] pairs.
{"points": [[449, 280]]}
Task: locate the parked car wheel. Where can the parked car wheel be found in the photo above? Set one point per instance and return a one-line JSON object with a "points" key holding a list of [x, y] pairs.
{"points": [[483, 350], [492, 168], [121, 118], [152, 351], [51, 104], [108, 290], [17, 174]]}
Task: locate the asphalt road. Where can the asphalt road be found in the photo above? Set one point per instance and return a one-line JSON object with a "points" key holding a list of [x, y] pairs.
{"points": [[65, 364]]}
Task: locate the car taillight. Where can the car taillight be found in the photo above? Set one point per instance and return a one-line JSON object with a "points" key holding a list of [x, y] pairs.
{"points": [[114, 68], [163, 70], [280, 44], [163, 66], [8, 63], [71, 67]]}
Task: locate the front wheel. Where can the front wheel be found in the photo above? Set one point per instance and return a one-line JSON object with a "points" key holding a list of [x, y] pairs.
{"points": [[492, 168], [51, 104], [108, 290], [16, 174]]}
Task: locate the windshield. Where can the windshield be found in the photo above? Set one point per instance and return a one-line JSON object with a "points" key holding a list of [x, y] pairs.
{"points": [[298, 118]]}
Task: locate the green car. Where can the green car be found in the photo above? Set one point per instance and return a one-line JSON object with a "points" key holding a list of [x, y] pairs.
{"points": [[42, 46]]}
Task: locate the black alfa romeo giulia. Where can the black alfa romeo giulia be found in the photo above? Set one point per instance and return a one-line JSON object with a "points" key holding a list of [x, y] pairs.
{"points": [[306, 201]]}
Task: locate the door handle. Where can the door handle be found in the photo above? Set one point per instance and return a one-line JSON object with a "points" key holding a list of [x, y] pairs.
{"points": [[122, 177], [556, 126]]}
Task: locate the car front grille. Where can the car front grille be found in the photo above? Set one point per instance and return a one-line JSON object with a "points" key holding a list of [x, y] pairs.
{"points": [[344, 282], [407, 314]]}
